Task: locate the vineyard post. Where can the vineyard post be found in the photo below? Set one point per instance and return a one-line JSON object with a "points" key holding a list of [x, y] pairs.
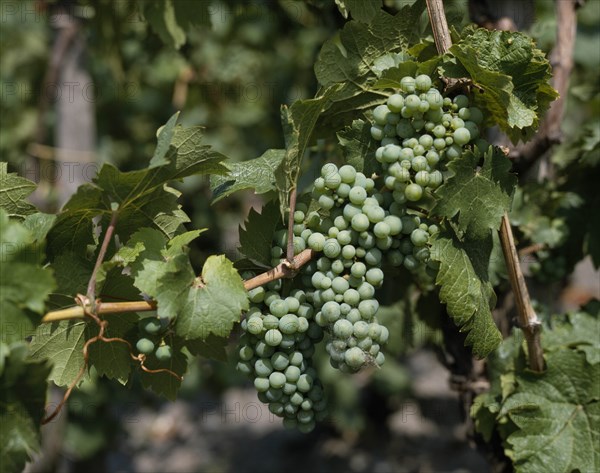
{"points": [[528, 320]]}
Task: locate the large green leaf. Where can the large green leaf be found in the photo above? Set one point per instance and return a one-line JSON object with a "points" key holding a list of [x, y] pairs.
{"points": [[512, 77], [479, 196], [359, 9], [466, 291], [13, 191], [143, 197], [350, 58], [256, 238], [359, 147], [22, 402], [62, 344], [210, 304], [557, 414], [257, 174], [24, 284]]}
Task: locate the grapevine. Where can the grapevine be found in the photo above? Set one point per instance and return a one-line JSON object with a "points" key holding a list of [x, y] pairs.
{"points": [[362, 224]]}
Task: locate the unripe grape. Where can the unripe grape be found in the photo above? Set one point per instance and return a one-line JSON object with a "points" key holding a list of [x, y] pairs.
{"points": [[145, 346], [342, 329], [273, 337], [150, 325], [461, 136], [413, 192], [423, 82], [355, 358], [164, 353], [380, 114], [395, 103], [407, 84]]}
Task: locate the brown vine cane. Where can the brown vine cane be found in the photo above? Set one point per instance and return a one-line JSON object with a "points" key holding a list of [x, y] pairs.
{"points": [[103, 324]]}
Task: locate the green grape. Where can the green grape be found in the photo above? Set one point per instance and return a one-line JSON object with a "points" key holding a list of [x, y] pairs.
{"points": [[332, 248], [381, 230], [473, 130], [164, 353], [435, 179], [355, 358], [423, 82], [462, 136], [145, 346], [246, 353], [422, 178], [254, 325], [395, 103], [279, 307], [419, 163], [413, 192], [380, 114], [366, 290], [273, 337], [352, 297], [373, 257], [357, 195], [374, 276], [368, 308], [360, 222], [342, 329], [263, 367], [331, 311], [377, 132], [412, 102], [304, 383], [404, 129], [277, 380], [439, 131], [408, 84], [288, 324], [328, 168], [150, 325], [327, 202], [462, 101]]}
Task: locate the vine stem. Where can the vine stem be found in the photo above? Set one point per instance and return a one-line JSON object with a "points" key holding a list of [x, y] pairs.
{"points": [[290, 242], [91, 288], [283, 270], [527, 317]]}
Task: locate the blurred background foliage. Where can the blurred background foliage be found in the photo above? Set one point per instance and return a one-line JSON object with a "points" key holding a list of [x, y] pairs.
{"points": [[231, 76]]}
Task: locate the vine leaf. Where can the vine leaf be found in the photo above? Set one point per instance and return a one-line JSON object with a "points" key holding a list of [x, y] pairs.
{"points": [[13, 191], [578, 329], [144, 197], [359, 9], [359, 147], [350, 58], [478, 196], [210, 305], [511, 74], [257, 174], [256, 238], [22, 403], [61, 343], [113, 359], [557, 413], [22, 259], [464, 288]]}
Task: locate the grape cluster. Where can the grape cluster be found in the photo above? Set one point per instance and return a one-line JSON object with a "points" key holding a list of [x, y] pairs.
{"points": [[152, 339], [362, 223], [277, 349], [418, 130]]}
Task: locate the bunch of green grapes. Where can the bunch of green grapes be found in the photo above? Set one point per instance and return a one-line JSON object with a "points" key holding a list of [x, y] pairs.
{"points": [[276, 350], [152, 338], [419, 130], [362, 224]]}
